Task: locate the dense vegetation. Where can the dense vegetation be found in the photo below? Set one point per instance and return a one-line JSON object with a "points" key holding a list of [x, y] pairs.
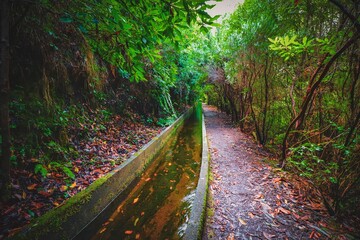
{"points": [[80, 77], [286, 71], [289, 73]]}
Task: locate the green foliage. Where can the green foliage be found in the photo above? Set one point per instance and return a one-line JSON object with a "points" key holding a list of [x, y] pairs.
{"points": [[62, 167], [288, 47], [43, 169], [164, 122], [305, 158], [39, 168], [126, 33]]}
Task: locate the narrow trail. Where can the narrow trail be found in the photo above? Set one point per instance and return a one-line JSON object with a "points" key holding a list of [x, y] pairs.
{"points": [[248, 198]]}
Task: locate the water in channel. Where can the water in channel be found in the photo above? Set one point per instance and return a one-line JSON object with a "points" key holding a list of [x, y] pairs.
{"points": [[158, 207]]}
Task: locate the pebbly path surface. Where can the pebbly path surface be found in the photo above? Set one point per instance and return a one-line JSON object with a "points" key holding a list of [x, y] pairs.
{"points": [[249, 199]]}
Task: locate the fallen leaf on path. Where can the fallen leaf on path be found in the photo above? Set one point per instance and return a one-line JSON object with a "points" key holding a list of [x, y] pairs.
{"points": [[136, 221], [260, 195], [47, 193], [284, 210], [241, 221], [32, 186], [231, 236], [322, 224], [268, 235], [12, 232], [72, 185], [266, 176], [316, 206], [276, 180], [18, 196], [63, 188], [37, 205], [295, 215], [128, 232], [305, 218], [317, 235]]}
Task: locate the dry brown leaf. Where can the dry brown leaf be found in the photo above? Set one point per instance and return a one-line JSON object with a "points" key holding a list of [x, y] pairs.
{"points": [[251, 214], [13, 231], [268, 235], [305, 218], [317, 235], [231, 236], [241, 221], [316, 206], [102, 230], [312, 234], [148, 179], [323, 224], [128, 232], [295, 215], [72, 185], [31, 186], [284, 210], [135, 200], [137, 237], [63, 188], [260, 195], [276, 180]]}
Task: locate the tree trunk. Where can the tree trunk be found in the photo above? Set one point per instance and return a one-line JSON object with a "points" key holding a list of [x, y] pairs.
{"points": [[4, 98]]}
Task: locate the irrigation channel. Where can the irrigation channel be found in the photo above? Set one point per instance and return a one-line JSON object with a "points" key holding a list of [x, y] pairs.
{"points": [[159, 205]]}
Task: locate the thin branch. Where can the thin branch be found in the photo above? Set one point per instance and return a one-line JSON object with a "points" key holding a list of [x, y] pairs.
{"points": [[347, 13]]}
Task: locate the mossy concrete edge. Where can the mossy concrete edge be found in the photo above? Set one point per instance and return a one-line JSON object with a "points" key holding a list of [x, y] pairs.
{"points": [[66, 221], [197, 216]]}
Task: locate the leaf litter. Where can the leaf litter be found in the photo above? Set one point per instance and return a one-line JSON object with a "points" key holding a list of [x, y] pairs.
{"points": [[104, 145], [272, 204]]}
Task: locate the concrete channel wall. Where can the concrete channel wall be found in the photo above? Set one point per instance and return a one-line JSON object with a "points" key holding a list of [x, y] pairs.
{"points": [[68, 220], [197, 216]]}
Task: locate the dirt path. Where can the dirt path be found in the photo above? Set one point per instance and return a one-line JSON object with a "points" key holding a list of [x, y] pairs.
{"points": [[248, 198]]}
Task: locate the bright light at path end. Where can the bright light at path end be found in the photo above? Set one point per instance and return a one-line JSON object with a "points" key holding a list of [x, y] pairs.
{"points": [[221, 8]]}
